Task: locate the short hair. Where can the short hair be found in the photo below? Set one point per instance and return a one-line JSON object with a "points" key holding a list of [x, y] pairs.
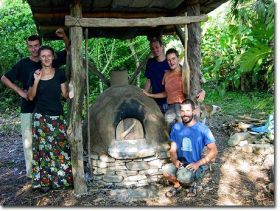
{"points": [[33, 38], [156, 39], [45, 47], [189, 101], [172, 50]]}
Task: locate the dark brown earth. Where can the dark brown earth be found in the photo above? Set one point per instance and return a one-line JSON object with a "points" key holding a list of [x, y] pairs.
{"points": [[235, 179]]}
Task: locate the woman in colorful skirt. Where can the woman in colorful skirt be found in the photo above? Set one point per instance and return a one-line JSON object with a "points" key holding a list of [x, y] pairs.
{"points": [[51, 165]]}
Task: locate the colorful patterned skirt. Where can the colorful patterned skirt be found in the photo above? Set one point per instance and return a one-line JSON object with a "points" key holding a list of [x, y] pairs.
{"points": [[51, 165]]}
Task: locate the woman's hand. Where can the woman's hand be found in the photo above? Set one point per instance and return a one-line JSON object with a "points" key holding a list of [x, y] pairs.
{"points": [[37, 75], [200, 96]]}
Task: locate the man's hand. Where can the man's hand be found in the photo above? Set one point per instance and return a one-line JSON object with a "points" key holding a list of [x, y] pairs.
{"points": [[60, 32], [193, 166], [146, 93], [23, 93], [178, 164]]}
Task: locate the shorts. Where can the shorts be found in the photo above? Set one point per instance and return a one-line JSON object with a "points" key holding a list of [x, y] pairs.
{"points": [[183, 174], [172, 115]]}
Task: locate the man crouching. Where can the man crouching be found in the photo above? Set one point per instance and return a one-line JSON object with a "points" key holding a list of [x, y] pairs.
{"points": [[188, 139]]}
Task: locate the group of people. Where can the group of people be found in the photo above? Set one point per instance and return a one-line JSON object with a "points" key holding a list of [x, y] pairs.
{"points": [[43, 128], [46, 149], [187, 135]]}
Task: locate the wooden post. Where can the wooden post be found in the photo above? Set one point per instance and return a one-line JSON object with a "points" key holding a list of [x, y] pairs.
{"points": [[74, 131], [186, 67], [194, 54]]}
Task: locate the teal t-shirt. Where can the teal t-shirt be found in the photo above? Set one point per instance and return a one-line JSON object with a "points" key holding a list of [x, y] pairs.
{"points": [[191, 141]]}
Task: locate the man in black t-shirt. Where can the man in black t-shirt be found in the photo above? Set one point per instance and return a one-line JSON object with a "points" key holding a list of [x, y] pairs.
{"points": [[20, 72]]}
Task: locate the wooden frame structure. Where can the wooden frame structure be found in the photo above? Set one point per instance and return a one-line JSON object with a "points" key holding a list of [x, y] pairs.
{"points": [[76, 23], [145, 19]]}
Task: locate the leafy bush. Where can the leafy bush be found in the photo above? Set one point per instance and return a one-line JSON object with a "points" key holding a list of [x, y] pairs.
{"points": [[238, 52]]}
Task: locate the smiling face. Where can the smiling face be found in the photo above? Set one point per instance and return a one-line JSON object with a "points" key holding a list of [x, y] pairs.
{"points": [[46, 57], [157, 49], [187, 113], [173, 61], [33, 47]]}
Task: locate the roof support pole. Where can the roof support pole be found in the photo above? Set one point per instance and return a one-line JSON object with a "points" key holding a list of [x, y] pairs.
{"points": [[186, 67], [74, 131], [193, 53]]}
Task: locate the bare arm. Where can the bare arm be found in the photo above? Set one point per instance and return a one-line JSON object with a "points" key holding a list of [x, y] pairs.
{"points": [[61, 33], [147, 85], [173, 155], [157, 95], [14, 87], [211, 155], [33, 89], [201, 95], [64, 90]]}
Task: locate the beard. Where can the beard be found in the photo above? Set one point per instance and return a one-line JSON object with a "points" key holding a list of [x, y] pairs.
{"points": [[187, 119]]}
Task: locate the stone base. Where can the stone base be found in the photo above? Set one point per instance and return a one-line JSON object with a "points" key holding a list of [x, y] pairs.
{"points": [[108, 171]]}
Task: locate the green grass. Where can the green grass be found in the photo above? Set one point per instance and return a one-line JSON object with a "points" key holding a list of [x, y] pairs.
{"points": [[238, 103]]}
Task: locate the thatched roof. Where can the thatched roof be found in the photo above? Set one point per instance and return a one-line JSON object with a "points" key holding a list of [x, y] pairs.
{"points": [[50, 14]]}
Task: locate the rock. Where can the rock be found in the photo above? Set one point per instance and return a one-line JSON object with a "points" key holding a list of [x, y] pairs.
{"points": [[133, 166], [268, 162], [138, 194], [112, 178], [242, 143], [135, 178], [263, 149], [131, 149], [235, 139], [247, 149], [271, 187], [106, 158], [155, 164]]}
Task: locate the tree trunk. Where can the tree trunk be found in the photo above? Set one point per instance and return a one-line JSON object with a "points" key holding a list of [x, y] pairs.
{"points": [[74, 131], [137, 63]]}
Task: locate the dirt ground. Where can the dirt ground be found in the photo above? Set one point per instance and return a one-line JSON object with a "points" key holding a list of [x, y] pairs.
{"points": [[235, 179]]}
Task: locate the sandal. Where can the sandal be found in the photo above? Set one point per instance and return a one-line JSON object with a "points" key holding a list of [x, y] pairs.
{"points": [[192, 191], [173, 191]]}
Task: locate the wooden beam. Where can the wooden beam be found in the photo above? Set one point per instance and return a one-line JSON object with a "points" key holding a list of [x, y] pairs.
{"points": [[105, 14], [74, 130], [121, 22], [102, 77], [50, 27], [180, 34], [138, 69]]}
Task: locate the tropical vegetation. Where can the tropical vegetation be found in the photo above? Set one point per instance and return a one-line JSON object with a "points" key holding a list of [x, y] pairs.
{"points": [[237, 53]]}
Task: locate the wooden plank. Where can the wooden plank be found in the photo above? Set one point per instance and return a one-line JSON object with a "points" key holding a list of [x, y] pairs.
{"points": [[121, 22], [103, 14], [138, 69], [74, 130], [96, 72]]}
